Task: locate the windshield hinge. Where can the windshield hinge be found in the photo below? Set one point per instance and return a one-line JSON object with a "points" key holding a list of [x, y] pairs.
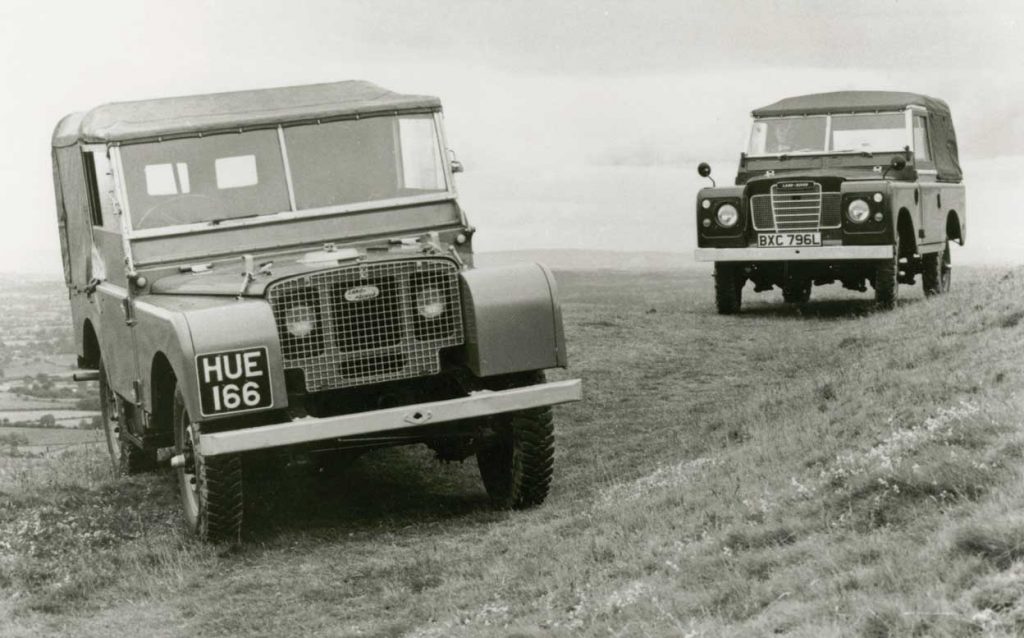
{"points": [[248, 276]]}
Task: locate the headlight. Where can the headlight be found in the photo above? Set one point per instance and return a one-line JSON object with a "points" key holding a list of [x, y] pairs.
{"points": [[430, 303], [858, 211], [299, 320], [727, 215]]}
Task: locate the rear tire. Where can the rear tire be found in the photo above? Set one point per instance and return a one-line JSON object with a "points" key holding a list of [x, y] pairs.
{"points": [[210, 487], [125, 457], [937, 272], [729, 280], [517, 463]]}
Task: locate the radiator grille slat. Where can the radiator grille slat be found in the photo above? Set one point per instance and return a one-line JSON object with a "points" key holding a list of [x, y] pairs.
{"points": [[795, 208], [363, 323]]}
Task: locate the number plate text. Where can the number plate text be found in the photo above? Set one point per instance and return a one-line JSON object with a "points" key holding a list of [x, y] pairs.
{"points": [[234, 381]]}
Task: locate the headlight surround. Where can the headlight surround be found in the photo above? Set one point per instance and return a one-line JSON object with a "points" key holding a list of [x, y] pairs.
{"points": [[300, 320], [727, 215], [858, 211], [430, 303]]}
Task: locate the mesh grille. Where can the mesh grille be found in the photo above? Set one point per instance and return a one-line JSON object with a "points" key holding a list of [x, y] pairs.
{"points": [[761, 212], [362, 324], [795, 207], [831, 217]]}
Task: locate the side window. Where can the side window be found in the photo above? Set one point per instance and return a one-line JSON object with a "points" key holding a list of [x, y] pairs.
{"points": [[421, 159], [95, 209], [922, 150], [236, 172], [99, 184], [167, 179]]}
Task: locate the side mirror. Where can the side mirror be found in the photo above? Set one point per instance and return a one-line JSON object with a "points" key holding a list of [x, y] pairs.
{"points": [[897, 163], [454, 163], [704, 170]]}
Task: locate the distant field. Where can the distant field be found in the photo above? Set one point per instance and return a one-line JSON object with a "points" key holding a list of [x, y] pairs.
{"points": [[54, 436], [11, 402], [58, 365], [57, 412], [824, 470]]}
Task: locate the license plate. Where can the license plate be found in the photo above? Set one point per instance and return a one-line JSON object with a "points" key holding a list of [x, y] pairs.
{"points": [[788, 240], [234, 381]]}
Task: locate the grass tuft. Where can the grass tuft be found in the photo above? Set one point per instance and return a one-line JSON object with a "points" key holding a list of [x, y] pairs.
{"points": [[1013, 319], [1001, 542]]}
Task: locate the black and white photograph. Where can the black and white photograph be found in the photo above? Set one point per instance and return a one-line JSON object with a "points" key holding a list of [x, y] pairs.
{"points": [[512, 319]]}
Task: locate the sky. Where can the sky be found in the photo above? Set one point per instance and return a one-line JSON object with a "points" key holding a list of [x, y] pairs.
{"points": [[580, 123]]}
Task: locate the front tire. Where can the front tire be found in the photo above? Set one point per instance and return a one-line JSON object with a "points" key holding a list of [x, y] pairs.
{"points": [[729, 280], [887, 285], [210, 487], [517, 463], [937, 273]]}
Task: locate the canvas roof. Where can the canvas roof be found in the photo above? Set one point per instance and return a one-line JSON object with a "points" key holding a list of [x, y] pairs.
{"points": [[945, 154], [849, 102], [177, 116]]}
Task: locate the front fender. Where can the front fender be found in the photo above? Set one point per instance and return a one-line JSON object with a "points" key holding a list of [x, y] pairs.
{"points": [[235, 326], [513, 320], [181, 328]]}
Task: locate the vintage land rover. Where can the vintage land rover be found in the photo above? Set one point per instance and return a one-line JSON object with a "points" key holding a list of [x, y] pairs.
{"points": [[289, 270], [860, 187]]}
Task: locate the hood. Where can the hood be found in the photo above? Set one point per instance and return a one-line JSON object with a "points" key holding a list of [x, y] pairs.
{"points": [[226, 280], [846, 167]]}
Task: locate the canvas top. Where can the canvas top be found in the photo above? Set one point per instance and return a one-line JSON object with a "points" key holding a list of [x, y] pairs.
{"points": [[850, 102], [220, 112]]}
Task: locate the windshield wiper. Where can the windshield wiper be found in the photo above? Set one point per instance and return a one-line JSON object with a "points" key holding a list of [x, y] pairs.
{"points": [[218, 222]]}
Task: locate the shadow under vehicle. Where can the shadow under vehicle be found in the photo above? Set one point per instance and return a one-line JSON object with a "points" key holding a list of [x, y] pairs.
{"points": [[859, 187], [286, 272]]}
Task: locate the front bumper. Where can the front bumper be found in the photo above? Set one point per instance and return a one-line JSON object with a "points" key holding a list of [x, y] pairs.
{"points": [[806, 253], [310, 430]]}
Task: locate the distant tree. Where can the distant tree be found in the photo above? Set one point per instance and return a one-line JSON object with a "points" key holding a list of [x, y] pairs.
{"points": [[47, 421], [13, 440]]}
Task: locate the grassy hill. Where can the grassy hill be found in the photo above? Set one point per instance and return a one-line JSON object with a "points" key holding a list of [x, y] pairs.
{"points": [[817, 471]]}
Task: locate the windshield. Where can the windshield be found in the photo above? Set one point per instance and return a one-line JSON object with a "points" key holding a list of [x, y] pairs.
{"points": [[866, 132], [229, 176]]}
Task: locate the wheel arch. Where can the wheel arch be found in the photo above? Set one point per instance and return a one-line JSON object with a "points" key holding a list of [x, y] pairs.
{"points": [[162, 381], [90, 357], [905, 228], [954, 228]]}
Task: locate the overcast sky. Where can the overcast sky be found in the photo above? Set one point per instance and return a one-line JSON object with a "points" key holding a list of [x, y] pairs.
{"points": [[556, 108]]}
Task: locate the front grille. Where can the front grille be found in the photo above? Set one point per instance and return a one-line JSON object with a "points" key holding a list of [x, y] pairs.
{"points": [[363, 323], [795, 207]]}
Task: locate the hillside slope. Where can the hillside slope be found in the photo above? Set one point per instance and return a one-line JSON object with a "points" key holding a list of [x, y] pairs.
{"points": [[820, 471]]}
